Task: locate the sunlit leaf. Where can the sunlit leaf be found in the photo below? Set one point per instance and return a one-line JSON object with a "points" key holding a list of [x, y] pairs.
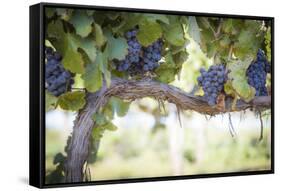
{"points": [[238, 79], [193, 29]]}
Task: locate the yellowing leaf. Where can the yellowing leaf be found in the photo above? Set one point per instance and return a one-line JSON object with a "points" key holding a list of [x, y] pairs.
{"points": [[72, 101]]}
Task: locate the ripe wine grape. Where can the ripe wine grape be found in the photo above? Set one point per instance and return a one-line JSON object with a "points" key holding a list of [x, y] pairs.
{"points": [[140, 59], [212, 82], [257, 72], [58, 80]]}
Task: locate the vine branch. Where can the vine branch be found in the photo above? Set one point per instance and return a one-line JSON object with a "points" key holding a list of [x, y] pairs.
{"points": [[130, 90]]}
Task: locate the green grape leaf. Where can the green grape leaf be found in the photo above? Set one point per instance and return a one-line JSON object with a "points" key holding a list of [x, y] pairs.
{"points": [[193, 29], [51, 101], [59, 158], [149, 32], [64, 14], [50, 12], [97, 132], [228, 26], [100, 119], [99, 37], [268, 43], [49, 44], [72, 101], [72, 59], [93, 76], [94, 147], [173, 33], [238, 78], [117, 47], [228, 89], [103, 66], [165, 75], [82, 23], [89, 47], [55, 31], [166, 72], [248, 41], [119, 106], [157, 17], [110, 126], [130, 21]]}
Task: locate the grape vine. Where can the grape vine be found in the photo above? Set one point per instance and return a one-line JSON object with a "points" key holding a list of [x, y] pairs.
{"points": [[58, 80], [112, 53]]}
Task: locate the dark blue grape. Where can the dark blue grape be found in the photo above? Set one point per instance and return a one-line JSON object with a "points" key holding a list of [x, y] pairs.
{"points": [[58, 80], [140, 59], [212, 82], [256, 73]]}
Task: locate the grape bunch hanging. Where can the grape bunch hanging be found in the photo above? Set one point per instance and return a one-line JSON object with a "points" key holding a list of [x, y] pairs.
{"points": [[140, 59], [212, 82], [58, 80], [257, 72]]}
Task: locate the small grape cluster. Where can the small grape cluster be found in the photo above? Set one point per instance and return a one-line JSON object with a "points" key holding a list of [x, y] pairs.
{"points": [[140, 59], [58, 80], [134, 50], [212, 82], [256, 74], [152, 55]]}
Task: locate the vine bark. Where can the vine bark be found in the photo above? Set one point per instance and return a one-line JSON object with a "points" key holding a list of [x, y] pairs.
{"points": [[130, 90]]}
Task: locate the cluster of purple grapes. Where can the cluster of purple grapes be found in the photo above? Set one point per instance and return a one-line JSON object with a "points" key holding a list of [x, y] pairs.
{"points": [[257, 72], [134, 50], [58, 80], [212, 82], [140, 59], [151, 56]]}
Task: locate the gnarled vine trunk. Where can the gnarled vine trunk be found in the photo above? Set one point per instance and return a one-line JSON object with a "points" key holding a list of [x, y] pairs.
{"points": [[78, 149]]}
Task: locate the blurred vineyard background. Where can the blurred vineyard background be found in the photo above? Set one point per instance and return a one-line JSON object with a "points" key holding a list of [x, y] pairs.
{"points": [[145, 147]]}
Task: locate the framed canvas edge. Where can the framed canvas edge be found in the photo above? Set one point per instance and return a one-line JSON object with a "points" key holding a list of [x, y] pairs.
{"points": [[38, 151]]}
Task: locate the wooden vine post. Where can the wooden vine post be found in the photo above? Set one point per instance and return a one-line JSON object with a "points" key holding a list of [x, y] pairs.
{"points": [[78, 150]]}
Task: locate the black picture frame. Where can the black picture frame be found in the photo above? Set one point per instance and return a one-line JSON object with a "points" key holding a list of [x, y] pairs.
{"points": [[37, 96]]}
